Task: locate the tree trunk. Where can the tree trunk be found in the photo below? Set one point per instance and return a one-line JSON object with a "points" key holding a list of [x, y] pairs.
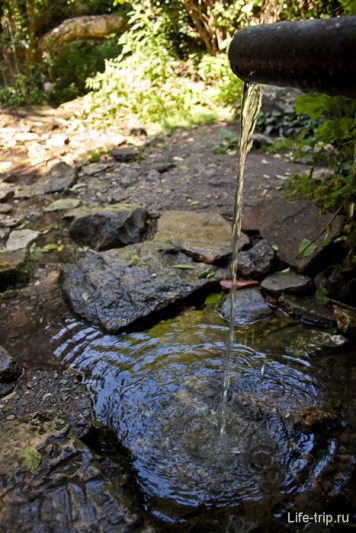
{"points": [[80, 28]]}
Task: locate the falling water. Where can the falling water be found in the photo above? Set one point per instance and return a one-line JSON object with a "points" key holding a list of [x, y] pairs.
{"points": [[251, 104]]}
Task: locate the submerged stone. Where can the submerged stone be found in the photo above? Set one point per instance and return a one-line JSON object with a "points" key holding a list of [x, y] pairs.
{"points": [[307, 310], [204, 236], [287, 282], [249, 307], [116, 288], [346, 320], [257, 261], [59, 178], [109, 227]]}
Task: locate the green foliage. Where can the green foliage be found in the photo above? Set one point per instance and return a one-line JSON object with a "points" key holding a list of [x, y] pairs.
{"points": [[70, 67], [148, 83]]}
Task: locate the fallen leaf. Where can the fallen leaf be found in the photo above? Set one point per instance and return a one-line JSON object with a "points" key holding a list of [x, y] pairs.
{"points": [[240, 284]]}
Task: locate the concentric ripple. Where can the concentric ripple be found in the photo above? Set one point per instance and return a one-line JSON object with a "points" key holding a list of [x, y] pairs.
{"points": [[161, 390]]}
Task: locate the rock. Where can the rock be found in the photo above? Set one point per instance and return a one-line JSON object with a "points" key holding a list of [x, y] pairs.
{"points": [[63, 204], [249, 307], [4, 233], [109, 227], [288, 223], [164, 166], [5, 209], [14, 267], [50, 478], [124, 155], [9, 222], [316, 342], [59, 178], [257, 261], [95, 168], [307, 310], [116, 288], [345, 320], [5, 193], [9, 369], [322, 174], [289, 281], [20, 239], [152, 175], [206, 237], [9, 373], [309, 418]]}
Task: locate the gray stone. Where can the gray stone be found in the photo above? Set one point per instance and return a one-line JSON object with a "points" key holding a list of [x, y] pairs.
{"points": [[204, 236], [116, 288], [59, 178], [63, 204], [287, 223], [287, 281], [249, 307], [124, 155], [109, 227], [5, 209], [20, 239], [9, 369], [257, 261], [96, 168], [307, 310], [13, 267], [9, 222]]}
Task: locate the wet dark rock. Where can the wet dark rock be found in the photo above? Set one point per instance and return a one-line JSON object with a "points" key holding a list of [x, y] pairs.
{"points": [[257, 261], [345, 320], [307, 310], [287, 281], [9, 372], [164, 166], [288, 223], [124, 155], [116, 288], [59, 178], [249, 307], [50, 480], [109, 227], [14, 267], [205, 237]]}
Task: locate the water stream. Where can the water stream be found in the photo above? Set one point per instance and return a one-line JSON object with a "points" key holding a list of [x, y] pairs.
{"points": [[251, 104]]}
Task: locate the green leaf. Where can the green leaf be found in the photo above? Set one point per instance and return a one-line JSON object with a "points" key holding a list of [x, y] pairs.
{"points": [[206, 273], [275, 247], [306, 248], [184, 267], [213, 299], [30, 459]]}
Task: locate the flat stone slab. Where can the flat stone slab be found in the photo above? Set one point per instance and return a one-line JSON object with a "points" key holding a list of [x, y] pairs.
{"points": [[204, 236], [116, 288], [114, 226], [20, 239], [286, 224], [307, 310], [63, 204], [59, 178], [249, 307], [289, 281]]}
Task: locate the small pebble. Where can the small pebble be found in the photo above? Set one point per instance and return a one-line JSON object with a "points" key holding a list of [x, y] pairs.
{"points": [[46, 396], [10, 417]]}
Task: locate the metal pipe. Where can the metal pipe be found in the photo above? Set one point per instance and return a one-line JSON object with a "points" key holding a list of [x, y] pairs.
{"points": [[312, 55]]}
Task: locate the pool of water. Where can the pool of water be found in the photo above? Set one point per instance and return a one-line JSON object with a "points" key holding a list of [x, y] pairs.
{"points": [[161, 391]]}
